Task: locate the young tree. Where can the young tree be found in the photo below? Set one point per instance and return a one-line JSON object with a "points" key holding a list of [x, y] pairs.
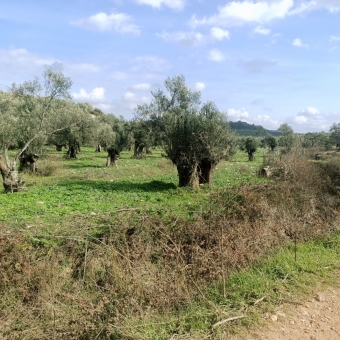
{"points": [[30, 112]]}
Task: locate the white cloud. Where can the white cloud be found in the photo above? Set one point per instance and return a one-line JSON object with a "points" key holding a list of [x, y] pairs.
{"points": [[266, 121], [24, 63], [261, 30], [305, 6], [335, 38], [216, 55], [243, 115], [299, 43], [235, 115], [129, 97], [20, 60], [219, 33], [174, 4], [240, 12], [107, 108], [309, 120], [262, 11], [192, 38], [132, 100], [300, 119], [97, 95], [186, 39], [141, 87], [199, 86], [119, 22], [309, 112]]}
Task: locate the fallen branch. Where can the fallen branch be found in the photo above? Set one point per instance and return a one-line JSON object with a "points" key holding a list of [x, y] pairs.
{"points": [[222, 322], [259, 300]]}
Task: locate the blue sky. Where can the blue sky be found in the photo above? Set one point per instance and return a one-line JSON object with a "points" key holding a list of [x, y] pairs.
{"points": [[263, 61]]}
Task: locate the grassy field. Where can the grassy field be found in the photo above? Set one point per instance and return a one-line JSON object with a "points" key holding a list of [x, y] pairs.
{"points": [[85, 186], [88, 252]]}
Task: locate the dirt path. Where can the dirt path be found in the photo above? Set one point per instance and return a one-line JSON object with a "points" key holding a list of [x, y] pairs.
{"points": [[316, 319]]}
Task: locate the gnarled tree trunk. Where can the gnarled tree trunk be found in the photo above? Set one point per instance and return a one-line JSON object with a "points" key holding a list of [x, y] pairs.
{"points": [[112, 157], [205, 171], [138, 150], [28, 161], [11, 181], [98, 148], [250, 156], [72, 152], [59, 147], [187, 173]]}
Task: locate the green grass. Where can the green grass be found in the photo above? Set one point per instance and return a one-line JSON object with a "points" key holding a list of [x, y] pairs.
{"points": [[80, 200], [83, 186]]}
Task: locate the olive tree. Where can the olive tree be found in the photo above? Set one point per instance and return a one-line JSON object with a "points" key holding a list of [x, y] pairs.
{"points": [[121, 137], [30, 112], [269, 141], [83, 133], [251, 146], [195, 138], [287, 138]]}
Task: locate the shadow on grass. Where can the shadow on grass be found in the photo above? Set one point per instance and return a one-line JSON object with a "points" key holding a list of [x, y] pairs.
{"points": [[77, 166], [128, 186]]}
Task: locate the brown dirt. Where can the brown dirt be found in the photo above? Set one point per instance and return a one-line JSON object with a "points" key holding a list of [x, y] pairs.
{"points": [[318, 318]]}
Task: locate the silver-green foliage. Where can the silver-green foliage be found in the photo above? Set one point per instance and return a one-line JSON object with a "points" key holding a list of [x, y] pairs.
{"points": [[192, 135], [32, 111]]}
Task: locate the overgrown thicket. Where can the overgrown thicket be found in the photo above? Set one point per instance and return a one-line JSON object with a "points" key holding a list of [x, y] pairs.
{"points": [[103, 282]]}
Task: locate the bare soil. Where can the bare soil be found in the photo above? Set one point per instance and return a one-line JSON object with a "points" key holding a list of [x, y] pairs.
{"points": [[318, 318]]}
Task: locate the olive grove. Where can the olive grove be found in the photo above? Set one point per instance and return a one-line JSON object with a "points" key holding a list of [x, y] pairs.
{"points": [[29, 114]]}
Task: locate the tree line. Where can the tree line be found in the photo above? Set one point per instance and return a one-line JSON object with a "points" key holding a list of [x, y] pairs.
{"points": [[194, 136]]}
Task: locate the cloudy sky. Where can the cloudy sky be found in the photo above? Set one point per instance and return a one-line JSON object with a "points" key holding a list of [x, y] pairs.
{"points": [[261, 61]]}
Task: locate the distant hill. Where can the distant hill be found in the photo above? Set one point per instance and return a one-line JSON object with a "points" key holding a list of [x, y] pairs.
{"points": [[245, 129]]}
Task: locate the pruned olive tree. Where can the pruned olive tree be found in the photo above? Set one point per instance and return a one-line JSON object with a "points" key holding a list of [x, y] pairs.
{"points": [[29, 113], [195, 138], [142, 134], [270, 142], [215, 139], [114, 136], [83, 133], [251, 146], [122, 132]]}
